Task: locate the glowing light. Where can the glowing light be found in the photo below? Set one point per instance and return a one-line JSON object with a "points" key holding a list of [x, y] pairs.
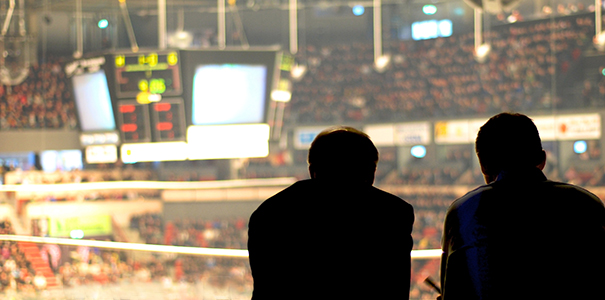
{"points": [[426, 254], [281, 96], [164, 126], [103, 23], [154, 97], [429, 9], [482, 52], [580, 147], [358, 10], [76, 234], [162, 107], [127, 108], [418, 151]]}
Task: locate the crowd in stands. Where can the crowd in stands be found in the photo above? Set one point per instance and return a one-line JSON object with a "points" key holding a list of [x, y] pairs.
{"points": [[118, 173], [441, 77], [91, 265], [222, 233], [43, 100], [17, 274]]}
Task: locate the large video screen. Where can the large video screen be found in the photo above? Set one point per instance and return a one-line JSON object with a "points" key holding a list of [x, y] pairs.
{"points": [[64, 160], [93, 102], [229, 94], [431, 29]]}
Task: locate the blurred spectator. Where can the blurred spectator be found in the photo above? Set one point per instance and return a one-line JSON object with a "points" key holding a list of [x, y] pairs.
{"points": [[43, 100], [440, 77]]}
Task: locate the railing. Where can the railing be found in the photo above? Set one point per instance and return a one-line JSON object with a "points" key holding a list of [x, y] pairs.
{"points": [[90, 269], [242, 253]]}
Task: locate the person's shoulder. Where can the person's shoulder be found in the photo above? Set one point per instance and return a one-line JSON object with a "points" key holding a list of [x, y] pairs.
{"points": [[390, 199], [281, 198], [578, 191], [470, 197]]}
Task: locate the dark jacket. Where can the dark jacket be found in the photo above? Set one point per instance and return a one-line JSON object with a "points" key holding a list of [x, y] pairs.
{"points": [[524, 237], [329, 240]]}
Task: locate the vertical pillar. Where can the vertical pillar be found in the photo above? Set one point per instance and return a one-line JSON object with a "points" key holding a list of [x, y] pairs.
{"points": [[162, 24], [598, 17], [293, 26], [478, 28], [222, 34], [79, 33], [377, 29]]}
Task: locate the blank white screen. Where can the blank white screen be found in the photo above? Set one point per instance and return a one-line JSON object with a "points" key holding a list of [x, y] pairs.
{"points": [[93, 102], [229, 94]]}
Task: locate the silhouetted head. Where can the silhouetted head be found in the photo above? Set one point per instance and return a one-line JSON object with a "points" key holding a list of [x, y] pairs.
{"points": [[343, 154], [508, 141]]}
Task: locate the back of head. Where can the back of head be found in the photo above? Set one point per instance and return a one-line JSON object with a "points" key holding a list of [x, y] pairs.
{"points": [[343, 153], [508, 141]]}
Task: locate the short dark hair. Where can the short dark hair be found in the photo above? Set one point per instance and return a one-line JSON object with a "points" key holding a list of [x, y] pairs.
{"points": [[343, 151], [508, 141]]}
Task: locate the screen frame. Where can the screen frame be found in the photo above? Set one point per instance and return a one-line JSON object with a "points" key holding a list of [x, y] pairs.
{"points": [[191, 59], [111, 100], [255, 106]]}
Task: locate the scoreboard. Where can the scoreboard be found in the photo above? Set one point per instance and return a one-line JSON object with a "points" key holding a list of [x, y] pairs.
{"points": [[153, 72], [167, 116], [164, 103], [169, 119], [142, 80], [134, 122]]}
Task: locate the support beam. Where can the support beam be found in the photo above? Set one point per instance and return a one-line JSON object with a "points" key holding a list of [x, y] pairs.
{"points": [[126, 16], [598, 17], [9, 17], [162, 24], [478, 28], [377, 29], [79, 31], [293, 10], [222, 33]]}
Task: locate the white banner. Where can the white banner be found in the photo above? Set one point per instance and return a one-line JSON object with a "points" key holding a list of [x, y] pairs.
{"points": [[381, 135], [417, 133], [575, 127], [452, 132], [474, 126], [168, 151], [304, 136], [98, 154], [546, 127], [228, 141]]}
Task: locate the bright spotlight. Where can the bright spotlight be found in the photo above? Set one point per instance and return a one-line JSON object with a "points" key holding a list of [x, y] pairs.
{"points": [[580, 147], [599, 41], [418, 151], [76, 234], [298, 72], [103, 23], [382, 63], [429, 9], [482, 52], [358, 10]]}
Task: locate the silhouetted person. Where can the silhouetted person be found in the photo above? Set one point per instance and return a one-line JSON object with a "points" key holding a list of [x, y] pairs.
{"points": [[522, 236], [334, 236]]}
